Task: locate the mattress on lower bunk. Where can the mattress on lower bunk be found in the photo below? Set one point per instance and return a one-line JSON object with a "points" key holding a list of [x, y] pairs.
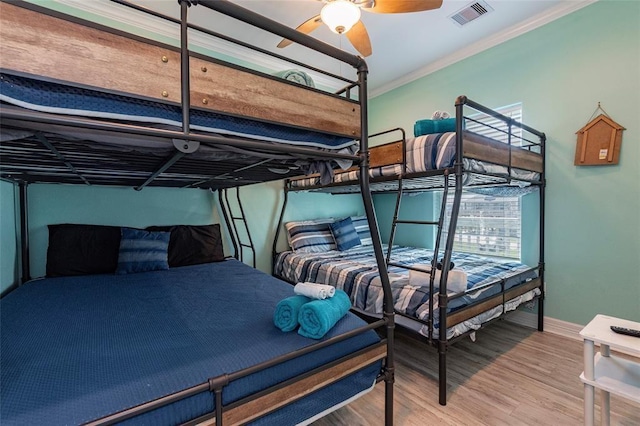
{"points": [[57, 98], [424, 153], [355, 271], [78, 348]]}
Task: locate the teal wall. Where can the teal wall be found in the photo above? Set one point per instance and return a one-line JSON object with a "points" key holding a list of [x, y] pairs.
{"points": [[50, 204], [560, 72], [8, 242]]}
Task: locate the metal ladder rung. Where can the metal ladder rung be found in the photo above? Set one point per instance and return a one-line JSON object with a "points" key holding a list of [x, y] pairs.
{"points": [[399, 265], [417, 222]]}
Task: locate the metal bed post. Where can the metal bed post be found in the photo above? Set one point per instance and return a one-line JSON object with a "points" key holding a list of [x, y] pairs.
{"points": [[24, 233], [453, 221], [543, 141], [389, 313], [185, 82]]}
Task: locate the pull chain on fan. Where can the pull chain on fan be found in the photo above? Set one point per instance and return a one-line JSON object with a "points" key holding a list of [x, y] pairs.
{"points": [[343, 17]]}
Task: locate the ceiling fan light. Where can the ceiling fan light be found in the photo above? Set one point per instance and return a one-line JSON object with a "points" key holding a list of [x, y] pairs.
{"points": [[340, 15]]}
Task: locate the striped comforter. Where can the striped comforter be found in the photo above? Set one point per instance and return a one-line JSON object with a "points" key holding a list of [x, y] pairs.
{"points": [[428, 152], [355, 272]]}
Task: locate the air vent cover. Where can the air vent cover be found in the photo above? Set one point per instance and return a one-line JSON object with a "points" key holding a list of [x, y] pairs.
{"points": [[471, 12]]}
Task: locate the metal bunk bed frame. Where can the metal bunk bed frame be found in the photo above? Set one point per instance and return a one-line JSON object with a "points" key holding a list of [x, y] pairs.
{"points": [[457, 172], [234, 411]]}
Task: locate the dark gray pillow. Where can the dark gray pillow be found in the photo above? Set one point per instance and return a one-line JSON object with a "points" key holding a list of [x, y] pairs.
{"points": [[82, 249], [193, 244]]}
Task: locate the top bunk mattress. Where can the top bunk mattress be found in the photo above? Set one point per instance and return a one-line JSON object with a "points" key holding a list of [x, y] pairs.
{"points": [[56, 98], [78, 348]]}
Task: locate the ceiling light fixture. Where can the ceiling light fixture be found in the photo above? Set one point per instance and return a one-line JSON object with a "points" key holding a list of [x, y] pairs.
{"points": [[340, 15]]}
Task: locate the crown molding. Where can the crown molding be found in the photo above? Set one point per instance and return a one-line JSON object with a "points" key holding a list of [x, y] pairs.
{"points": [[159, 27], [563, 9]]}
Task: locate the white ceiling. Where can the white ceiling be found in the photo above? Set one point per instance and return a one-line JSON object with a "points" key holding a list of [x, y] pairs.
{"points": [[405, 46]]}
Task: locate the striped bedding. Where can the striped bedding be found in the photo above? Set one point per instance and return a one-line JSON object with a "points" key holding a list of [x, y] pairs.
{"points": [[428, 152], [355, 272]]}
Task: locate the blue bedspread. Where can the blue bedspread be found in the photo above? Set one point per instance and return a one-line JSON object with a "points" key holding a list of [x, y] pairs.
{"points": [[78, 348]]}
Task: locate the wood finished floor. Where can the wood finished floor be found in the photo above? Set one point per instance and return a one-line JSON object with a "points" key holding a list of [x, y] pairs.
{"points": [[511, 375]]}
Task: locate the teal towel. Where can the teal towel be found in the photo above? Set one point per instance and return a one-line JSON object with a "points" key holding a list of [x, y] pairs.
{"points": [[285, 317], [296, 76], [427, 127], [318, 316]]}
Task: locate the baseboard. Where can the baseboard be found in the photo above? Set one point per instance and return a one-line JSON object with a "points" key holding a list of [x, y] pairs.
{"points": [[551, 325]]}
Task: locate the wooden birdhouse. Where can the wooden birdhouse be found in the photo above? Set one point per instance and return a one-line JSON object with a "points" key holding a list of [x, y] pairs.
{"points": [[599, 142]]}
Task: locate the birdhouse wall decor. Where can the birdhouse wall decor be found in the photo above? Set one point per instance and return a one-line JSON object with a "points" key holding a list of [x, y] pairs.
{"points": [[599, 142]]}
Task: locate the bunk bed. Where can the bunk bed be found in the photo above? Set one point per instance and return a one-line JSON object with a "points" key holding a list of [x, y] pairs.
{"points": [[86, 104], [426, 298]]}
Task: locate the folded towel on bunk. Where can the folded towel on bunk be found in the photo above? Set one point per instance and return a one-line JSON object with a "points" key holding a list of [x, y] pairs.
{"points": [[314, 291], [456, 280], [440, 115], [285, 317], [318, 316], [296, 76], [427, 127]]}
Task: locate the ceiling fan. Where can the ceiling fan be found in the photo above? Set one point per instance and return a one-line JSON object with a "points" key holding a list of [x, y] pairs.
{"points": [[343, 17]]}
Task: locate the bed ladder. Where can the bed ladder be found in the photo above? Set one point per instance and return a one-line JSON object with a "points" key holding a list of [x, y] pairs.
{"points": [[396, 221], [436, 250], [231, 220]]}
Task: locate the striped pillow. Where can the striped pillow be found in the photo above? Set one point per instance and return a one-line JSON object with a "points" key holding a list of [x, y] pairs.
{"points": [[345, 234], [362, 228], [142, 251], [310, 236]]}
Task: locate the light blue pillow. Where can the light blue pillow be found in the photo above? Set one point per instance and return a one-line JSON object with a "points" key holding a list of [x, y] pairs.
{"points": [[362, 228], [345, 234], [142, 251]]}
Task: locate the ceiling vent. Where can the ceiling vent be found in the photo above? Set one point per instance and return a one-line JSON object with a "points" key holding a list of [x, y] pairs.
{"points": [[471, 12]]}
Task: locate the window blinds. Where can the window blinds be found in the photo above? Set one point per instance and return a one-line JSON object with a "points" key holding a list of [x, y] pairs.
{"points": [[487, 225]]}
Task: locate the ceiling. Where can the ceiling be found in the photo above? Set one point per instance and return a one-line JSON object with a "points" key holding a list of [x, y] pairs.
{"points": [[405, 46]]}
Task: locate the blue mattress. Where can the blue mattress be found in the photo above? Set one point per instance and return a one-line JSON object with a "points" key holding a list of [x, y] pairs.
{"points": [[74, 349], [61, 99]]}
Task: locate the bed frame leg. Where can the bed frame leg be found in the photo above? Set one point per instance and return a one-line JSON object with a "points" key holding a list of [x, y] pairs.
{"points": [[541, 314], [442, 373], [388, 411]]}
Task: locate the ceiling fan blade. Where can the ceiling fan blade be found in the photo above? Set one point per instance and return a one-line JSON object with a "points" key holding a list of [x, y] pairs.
{"points": [[403, 6], [359, 37], [306, 27]]}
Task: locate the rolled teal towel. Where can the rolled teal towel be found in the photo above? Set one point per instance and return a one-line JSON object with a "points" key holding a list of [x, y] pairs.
{"points": [[427, 127], [285, 317], [296, 76], [318, 316]]}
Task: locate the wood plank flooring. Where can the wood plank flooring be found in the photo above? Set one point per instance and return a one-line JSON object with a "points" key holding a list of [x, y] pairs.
{"points": [[511, 375]]}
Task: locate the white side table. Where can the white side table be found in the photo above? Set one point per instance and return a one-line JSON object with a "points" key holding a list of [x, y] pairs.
{"points": [[613, 375]]}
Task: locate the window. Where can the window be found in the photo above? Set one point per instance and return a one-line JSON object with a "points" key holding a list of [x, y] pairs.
{"points": [[488, 225], [495, 128]]}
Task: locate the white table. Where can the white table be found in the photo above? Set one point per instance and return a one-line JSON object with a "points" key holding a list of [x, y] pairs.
{"points": [[611, 374]]}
